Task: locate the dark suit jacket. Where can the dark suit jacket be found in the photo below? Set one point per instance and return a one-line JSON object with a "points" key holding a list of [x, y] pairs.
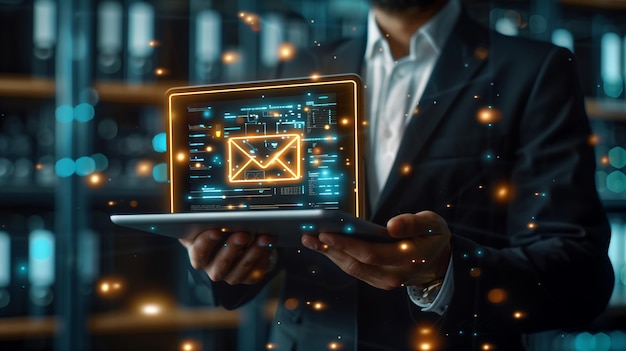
{"points": [[527, 258]]}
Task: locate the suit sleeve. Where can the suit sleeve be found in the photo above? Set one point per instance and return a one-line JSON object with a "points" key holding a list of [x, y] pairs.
{"points": [[555, 273]]}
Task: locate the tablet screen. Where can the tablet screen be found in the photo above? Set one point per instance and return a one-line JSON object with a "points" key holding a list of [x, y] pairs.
{"points": [[288, 144]]}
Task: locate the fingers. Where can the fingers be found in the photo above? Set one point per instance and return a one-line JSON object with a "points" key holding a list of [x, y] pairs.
{"points": [[374, 275], [251, 265], [384, 254], [237, 258], [230, 251], [200, 247], [423, 223]]}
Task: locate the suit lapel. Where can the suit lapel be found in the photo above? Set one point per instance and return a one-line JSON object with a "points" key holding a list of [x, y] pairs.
{"points": [[463, 55]]}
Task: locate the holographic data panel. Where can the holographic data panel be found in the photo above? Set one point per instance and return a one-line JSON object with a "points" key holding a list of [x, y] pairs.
{"points": [[269, 152]]}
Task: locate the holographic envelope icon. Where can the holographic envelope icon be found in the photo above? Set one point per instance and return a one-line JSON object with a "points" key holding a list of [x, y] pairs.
{"points": [[264, 158]]}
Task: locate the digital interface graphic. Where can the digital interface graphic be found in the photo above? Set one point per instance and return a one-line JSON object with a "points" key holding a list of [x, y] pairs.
{"points": [[268, 150]]}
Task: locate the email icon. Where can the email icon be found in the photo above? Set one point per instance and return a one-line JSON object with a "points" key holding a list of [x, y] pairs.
{"points": [[264, 158]]}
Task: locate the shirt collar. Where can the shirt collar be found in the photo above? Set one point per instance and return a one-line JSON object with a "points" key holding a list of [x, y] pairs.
{"points": [[436, 30]]}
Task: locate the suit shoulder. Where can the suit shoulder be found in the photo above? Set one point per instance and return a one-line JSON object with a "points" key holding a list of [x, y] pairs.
{"points": [[523, 48]]}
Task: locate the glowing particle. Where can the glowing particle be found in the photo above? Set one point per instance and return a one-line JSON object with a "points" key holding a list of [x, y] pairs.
{"points": [[425, 346], [190, 345], [496, 296], [488, 115], [286, 51], [406, 169], [594, 139], [143, 168], [503, 192], [256, 274], [95, 179], [270, 346], [334, 345], [181, 156], [291, 303], [160, 71], [151, 309], [404, 246], [487, 347], [134, 203], [230, 57], [475, 272], [532, 225], [519, 315], [209, 148], [481, 53]]}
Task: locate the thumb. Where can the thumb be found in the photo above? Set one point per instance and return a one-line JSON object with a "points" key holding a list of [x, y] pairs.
{"points": [[409, 225]]}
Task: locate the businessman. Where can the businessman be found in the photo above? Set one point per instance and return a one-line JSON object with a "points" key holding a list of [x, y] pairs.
{"points": [[479, 163]]}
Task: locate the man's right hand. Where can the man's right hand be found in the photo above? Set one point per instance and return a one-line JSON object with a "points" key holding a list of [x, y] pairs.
{"points": [[237, 258]]}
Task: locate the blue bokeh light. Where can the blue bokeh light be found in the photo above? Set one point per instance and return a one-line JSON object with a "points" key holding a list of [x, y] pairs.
{"points": [[85, 166], [84, 112], [159, 142], [65, 167], [617, 157], [616, 181], [102, 162], [64, 114], [159, 173], [207, 113], [41, 248]]}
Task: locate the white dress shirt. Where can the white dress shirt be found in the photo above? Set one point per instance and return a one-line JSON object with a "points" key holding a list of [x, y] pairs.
{"points": [[393, 89]]}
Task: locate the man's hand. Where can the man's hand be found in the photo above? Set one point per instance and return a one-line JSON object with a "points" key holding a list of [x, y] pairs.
{"points": [[237, 258], [420, 256]]}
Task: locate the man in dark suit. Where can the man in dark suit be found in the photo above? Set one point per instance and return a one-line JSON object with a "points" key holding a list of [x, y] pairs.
{"points": [[487, 182]]}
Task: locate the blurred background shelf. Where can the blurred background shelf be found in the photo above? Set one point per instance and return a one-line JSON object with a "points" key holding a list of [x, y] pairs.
{"points": [[122, 323], [131, 322], [107, 91], [154, 93]]}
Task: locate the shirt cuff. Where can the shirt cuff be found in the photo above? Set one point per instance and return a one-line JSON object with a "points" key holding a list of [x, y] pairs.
{"points": [[442, 300]]}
